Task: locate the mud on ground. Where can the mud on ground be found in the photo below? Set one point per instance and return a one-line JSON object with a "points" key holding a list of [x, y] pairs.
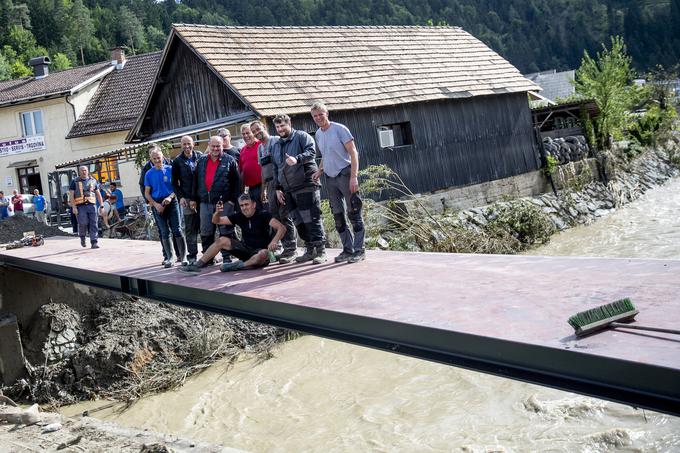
{"points": [[13, 228], [123, 347]]}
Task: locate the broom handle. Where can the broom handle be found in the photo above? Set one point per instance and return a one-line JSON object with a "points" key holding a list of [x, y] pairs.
{"points": [[638, 327]]}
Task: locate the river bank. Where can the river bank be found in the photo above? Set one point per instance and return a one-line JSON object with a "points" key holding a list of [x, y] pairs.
{"points": [[517, 225], [55, 432]]}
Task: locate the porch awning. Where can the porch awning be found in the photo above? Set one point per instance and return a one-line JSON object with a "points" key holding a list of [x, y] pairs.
{"points": [[23, 163], [128, 152]]}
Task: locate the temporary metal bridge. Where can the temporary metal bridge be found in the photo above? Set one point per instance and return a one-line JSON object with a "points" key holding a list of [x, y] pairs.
{"points": [[504, 315]]}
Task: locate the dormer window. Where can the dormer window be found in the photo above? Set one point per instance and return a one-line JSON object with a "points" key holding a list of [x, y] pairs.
{"points": [[31, 123]]}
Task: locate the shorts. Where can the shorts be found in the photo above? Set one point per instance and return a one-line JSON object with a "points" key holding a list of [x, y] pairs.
{"points": [[241, 250]]}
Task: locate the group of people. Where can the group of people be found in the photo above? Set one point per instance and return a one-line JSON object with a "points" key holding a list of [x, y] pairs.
{"points": [[269, 189], [16, 205]]}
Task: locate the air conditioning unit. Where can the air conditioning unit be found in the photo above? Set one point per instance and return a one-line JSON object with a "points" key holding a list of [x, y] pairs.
{"points": [[386, 137]]}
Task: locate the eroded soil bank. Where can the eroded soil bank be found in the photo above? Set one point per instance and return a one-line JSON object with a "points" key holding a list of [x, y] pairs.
{"points": [[123, 347]]}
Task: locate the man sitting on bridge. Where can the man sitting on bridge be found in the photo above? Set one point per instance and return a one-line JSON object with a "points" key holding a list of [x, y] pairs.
{"points": [[257, 241]]}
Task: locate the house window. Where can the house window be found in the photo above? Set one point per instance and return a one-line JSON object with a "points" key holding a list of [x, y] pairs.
{"points": [[31, 123], [393, 135], [106, 170]]}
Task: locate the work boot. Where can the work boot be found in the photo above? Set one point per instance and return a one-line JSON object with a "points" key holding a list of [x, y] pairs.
{"points": [[309, 254], [82, 241], [192, 267], [167, 252], [181, 248], [343, 257], [320, 255], [357, 256], [232, 266], [288, 256]]}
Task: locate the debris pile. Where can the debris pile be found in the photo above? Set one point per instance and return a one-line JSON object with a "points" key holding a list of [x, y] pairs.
{"points": [[13, 229], [123, 347]]}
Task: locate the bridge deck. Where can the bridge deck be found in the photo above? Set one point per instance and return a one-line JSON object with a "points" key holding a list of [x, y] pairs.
{"points": [[500, 314]]}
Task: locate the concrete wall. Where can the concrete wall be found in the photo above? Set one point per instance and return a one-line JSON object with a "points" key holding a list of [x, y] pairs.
{"points": [[23, 293], [524, 185], [21, 296]]}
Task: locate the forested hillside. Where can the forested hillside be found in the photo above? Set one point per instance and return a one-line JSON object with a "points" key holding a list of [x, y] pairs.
{"points": [[533, 34]]}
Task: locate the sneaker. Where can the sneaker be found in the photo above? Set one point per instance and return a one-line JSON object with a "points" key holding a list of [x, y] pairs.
{"points": [[320, 256], [357, 256], [343, 257], [226, 259], [167, 263], [94, 245], [193, 267], [82, 242], [233, 266], [309, 255], [288, 257]]}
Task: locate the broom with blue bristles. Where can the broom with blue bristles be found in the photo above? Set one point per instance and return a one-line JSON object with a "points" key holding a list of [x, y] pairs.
{"points": [[614, 314]]}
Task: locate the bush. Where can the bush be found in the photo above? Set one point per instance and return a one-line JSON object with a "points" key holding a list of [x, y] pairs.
{"points": [[650, 125]]}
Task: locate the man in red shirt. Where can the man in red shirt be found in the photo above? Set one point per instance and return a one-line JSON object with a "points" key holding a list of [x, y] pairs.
{"points": [[216, 180], [249, 166], [17, 203]]}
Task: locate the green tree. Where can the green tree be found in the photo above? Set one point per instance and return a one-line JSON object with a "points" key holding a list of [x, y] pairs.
{"points": [[60, 62], [81, 28], [20, 70], [606, 80], [156, 38], [131, 30], [5, 68]]}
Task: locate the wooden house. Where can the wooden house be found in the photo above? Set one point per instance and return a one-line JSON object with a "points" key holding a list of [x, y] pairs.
{"points": [[433, 103]]}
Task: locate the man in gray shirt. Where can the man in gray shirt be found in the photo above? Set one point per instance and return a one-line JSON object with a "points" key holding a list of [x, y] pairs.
{"points": [[340, 163]]}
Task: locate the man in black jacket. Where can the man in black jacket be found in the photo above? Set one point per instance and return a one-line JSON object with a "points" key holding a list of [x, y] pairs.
{"points": [[183, 169], [294, 167], [216, 179]]}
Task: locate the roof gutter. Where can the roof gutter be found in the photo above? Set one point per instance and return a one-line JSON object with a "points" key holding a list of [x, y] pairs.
{"points": [[91, 80]]}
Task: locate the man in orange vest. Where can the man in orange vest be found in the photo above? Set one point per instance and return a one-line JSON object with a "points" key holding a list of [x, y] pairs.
{"points": [[84, 194]]}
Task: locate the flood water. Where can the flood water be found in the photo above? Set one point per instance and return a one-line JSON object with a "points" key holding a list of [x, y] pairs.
{"points": [[322, 395]]}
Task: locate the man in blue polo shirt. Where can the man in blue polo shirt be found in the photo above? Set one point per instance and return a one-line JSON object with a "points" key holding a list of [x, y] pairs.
{"points": [[117, 195], [158, 192], [40, 207]]}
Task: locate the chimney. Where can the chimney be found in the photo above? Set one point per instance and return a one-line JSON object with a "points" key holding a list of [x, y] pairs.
{"points": [[118, 57], [40, 70]]}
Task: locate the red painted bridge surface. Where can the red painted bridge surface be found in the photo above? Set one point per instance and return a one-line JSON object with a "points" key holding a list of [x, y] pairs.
{"points": [[520, 299]]}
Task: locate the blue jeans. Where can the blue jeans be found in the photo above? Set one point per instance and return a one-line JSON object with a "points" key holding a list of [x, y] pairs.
{"points": [[169, 221]]}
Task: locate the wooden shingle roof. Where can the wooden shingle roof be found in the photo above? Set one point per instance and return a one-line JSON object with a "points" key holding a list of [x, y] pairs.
{"points": [[285, 69], [119, 99]]}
